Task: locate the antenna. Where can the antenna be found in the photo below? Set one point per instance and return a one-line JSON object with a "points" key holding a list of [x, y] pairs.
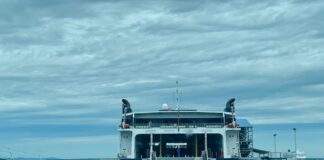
{"points": [[178, 107], [177, 95], [180, 98]]}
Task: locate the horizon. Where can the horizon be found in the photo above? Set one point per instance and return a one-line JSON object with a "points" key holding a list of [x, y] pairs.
{"points": [[66, 65]]}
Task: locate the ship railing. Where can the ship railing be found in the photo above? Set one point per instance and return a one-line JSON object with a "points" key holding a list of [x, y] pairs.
{"points": [[175, 125], [277, 155]]}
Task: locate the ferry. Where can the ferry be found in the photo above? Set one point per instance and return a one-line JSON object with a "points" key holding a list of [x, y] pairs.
{"points": [[184, 134]]}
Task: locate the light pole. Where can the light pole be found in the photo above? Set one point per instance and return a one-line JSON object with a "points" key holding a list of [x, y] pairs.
{"points": [[295, 130], [274, 142]]}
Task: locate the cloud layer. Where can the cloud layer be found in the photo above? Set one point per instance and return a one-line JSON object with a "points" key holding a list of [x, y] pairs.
{"points": [[68, 63]]}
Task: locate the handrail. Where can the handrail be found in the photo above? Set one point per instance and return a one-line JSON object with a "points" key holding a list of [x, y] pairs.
{"points": [[175, 125]]}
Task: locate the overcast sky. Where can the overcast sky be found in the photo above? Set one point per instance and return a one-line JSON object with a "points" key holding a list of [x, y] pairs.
{"points": [[66, 65]]}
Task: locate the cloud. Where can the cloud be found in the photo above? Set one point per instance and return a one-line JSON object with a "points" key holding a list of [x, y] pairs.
{"points": [[70, 63], [95, 56], [77, 140], [44, 147]]}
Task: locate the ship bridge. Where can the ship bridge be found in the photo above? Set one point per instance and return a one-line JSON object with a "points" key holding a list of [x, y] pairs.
{"points": [[175, 119]]}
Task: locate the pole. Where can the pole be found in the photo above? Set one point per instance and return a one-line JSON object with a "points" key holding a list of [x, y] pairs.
{"points": [[151, 146], [196, 146], [177, 94], [295, 135], [274, 142], [206, 145], [160, 145], [178, 108]]}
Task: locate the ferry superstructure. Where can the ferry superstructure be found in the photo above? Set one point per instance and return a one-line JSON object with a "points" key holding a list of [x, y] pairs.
{"points": [[183, 133]]}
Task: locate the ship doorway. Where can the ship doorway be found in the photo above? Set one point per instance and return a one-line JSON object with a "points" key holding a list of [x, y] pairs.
{"points": [[215, 145], [179, 145]]}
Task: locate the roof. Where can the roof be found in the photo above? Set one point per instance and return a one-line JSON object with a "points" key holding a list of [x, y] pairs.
{"points": [[244, 123], [180, 111], [175, 114]]}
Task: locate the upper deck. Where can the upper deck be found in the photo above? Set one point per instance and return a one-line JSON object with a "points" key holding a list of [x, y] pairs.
{"points": [[177, 118]]}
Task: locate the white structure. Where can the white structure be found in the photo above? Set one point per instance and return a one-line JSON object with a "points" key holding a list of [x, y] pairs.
{"points": [[179, 133]]}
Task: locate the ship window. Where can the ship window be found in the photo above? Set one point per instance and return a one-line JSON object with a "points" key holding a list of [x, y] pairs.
{"points": [[155, 122]]}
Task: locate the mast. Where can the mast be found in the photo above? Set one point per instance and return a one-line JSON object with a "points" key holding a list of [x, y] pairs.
{"points": [[178, 107], [177, 94]]}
